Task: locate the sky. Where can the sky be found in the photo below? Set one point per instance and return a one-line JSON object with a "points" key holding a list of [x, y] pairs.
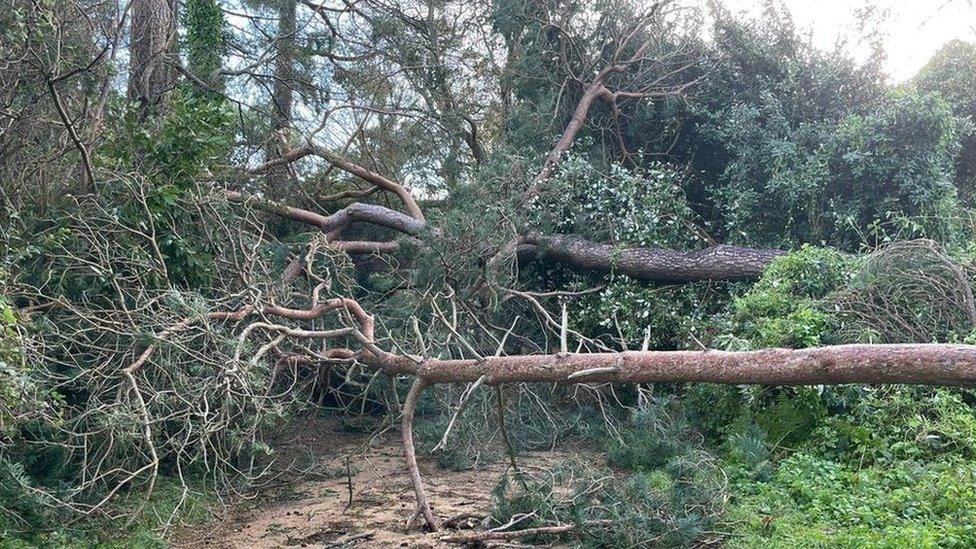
{"points": [[912, 31]]}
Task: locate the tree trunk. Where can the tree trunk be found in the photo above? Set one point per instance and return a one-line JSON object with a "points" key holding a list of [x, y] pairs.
{"points": [[282, 98], [152, 70], [929, 364], [720, 262], [919, 364]]}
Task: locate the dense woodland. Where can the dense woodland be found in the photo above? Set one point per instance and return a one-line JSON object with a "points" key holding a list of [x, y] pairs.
{"points": [[737, 266]]}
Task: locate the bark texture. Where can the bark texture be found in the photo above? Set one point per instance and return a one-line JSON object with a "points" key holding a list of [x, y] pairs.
{"points": [[356, 212], [917, 364], [282, 95], [279, 182], [719, 262], [152, 50]]}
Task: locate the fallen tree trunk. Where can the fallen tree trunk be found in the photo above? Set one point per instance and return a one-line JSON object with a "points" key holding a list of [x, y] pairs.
{"points": [[927, 364], [356, 212], [719, 262], [920, 364]]}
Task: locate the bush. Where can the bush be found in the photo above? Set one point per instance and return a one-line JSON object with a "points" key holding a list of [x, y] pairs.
{"points": [[806, 146], [784, 308], [893, 470]]}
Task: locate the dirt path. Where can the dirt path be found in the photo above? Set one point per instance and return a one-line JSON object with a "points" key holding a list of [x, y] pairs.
{"points": [[316, 513]]}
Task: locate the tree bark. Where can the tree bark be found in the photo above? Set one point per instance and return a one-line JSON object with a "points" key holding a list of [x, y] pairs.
{"points": [[282, 98], [918, 364], [928, 364], [410, 455], [719, 262], [282, 95], [152, 47], [357, 211]]}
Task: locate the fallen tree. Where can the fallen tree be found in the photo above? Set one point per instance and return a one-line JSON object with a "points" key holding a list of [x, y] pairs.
{"points": [[719, 262], [357, 343], [631, 56], [929, 364], [920, 364]]}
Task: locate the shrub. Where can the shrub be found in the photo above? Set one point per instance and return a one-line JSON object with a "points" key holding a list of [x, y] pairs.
{"points": [[783, 309]]}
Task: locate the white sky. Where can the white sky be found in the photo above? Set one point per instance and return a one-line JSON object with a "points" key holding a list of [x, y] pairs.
{"points": [[912, 31]]}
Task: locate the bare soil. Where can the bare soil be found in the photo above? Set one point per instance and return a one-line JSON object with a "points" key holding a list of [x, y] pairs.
{"points": [[314, 509]]}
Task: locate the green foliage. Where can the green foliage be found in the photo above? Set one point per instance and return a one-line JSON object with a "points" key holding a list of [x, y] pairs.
{"points": [[146, 253], [628, 207], [894, 469], [852, 181], [842, 466], [670, 498], [800, 145], [653, 438], [22, 399], [640, 207], [816, 503], [12, 376], [777, 144], [187, 147], [668, 316], [169, 501], [783, 309], [950, 73], [190, 141], [205, 41]]}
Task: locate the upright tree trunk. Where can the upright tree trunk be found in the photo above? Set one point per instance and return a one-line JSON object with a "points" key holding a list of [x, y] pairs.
{"points": [[282, 97], [152, 69]]}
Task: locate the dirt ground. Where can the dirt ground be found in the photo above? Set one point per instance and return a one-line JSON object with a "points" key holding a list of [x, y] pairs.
{"points": [[315, 511]]}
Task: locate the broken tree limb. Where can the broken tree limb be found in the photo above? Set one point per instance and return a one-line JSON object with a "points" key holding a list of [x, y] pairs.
{"points": [[361, 212], [339, 161], [721, 262], [409, 409], [591, 93], [517, 534]]}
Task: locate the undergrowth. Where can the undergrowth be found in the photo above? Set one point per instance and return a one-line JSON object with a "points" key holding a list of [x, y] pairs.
{"points": [[138, 523]]}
